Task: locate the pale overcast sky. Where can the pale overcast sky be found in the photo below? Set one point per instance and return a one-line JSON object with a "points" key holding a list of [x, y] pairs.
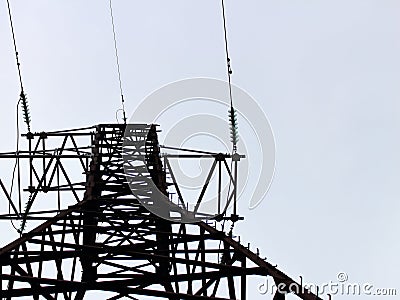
{"points": [[325, 73]]}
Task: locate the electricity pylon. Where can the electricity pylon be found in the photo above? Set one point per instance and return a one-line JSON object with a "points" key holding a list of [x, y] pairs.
{"points": [[108, 243]]}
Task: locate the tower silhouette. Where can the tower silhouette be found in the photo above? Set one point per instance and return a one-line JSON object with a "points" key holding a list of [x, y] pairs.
{"points": [[108, 243]]}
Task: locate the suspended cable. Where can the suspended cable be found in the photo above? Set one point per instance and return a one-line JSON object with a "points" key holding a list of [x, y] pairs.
{"points": [[13, 173], [22, 96], [228, 60], [232, 111], [23, 101], [15, 44], [232, 116], [117, 61]]}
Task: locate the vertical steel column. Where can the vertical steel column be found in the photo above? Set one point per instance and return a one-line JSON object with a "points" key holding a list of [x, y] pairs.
{"points": [[235, 158], [43, 137], [164, 228], [202, 248], [243, 282], [89, 272], [219, 185], [1, 282], [29, 136]]}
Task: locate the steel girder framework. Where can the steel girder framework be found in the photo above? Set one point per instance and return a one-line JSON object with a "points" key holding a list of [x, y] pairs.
{"points": [[109, 242]]}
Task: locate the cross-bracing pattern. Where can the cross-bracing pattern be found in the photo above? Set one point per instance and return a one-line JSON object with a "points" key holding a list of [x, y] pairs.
{"points": [[55, 162], [109, 243]]}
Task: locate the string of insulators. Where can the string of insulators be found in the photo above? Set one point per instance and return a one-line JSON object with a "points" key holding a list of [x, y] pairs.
{"points": [[25, 110], [27, 208], [22, 226], [233, 127]]}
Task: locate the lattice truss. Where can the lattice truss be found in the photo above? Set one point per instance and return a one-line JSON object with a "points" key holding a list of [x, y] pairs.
{"points": [[109, 245]]}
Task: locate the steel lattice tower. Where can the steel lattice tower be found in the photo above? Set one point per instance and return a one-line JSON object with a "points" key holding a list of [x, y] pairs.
{"points": [[109, 242]]}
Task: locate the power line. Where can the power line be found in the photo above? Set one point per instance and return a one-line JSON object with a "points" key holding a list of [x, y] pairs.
{"points": [[15, 45], [25, 110], [228, 60], [22, 96], [232, 111], [117, 61]]}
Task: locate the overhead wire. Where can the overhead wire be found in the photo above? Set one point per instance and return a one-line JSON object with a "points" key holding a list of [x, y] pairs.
{"points": [[232, 111], [228, 60], [25, 110], [15, 44], [118, 66], [22, 96], [14, 169]]}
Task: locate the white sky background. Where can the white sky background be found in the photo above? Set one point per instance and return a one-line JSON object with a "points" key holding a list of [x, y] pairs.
{"points": [[325, 72]]}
